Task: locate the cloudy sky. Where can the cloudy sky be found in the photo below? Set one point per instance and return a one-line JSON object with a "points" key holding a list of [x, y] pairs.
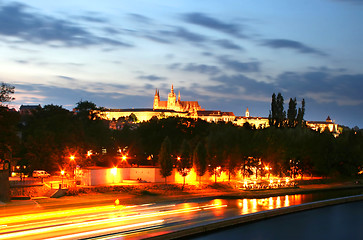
{"points": [[228, 55]]}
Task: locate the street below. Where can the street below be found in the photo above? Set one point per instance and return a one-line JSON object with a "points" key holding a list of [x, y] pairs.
{"points": [[110, 220]]}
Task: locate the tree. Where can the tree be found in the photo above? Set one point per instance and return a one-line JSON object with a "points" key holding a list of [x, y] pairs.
{"points": [[200, 160], [133, 117], [165, 161], [215, 154], [280, 113], [291, 113], [272, 116], [184, 163], [6, 92], [301, 113]]}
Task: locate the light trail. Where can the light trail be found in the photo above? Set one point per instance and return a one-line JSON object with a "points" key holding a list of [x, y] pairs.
{"points": [[70, 225], [107, 230]]}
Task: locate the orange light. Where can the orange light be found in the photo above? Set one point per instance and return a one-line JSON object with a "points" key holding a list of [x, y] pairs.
{"points": [[178, 158], [62, 172], [72, 157], [89, 153], [124, 158]]}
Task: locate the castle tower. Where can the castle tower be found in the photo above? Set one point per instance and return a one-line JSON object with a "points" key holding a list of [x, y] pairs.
{"points": [[247, 114], [171, 98], [156, 99]]}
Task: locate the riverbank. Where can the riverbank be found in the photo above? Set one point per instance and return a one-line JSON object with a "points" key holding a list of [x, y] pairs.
{"points": [[147, 193]]}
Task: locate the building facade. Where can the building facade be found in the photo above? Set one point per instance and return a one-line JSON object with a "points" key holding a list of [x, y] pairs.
{"points": [[174, 103]]}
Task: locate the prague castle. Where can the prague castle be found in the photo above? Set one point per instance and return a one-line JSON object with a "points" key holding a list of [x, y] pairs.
{"points": [[175, 104], [174, 107]]}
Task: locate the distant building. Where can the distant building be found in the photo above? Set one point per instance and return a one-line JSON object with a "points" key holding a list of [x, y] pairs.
{"points": [[28, 109], [174, 107], [322, 126], [175, 104], [257, 122], [213, 116]]}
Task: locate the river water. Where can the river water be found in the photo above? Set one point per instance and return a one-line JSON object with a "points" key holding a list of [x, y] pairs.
{"points": [[343, 221]]}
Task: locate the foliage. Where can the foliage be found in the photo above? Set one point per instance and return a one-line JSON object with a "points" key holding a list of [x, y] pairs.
{"points": [[50, 134], [184, 163], [6, 92], [165, 160], [200, 159]]}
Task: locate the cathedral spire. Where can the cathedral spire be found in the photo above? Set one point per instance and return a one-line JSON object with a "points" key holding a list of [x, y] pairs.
{"points": [[172, 88], [179, 96]]}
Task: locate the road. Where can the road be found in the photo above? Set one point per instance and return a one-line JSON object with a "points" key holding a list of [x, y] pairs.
{"points": [[111, 221]]}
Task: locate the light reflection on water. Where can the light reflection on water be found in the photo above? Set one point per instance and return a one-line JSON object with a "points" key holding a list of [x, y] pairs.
{"points": [[247, 206], [255, 205]]}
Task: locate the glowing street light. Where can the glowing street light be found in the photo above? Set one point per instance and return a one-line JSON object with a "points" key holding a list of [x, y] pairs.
{"points": [[62, 173]]}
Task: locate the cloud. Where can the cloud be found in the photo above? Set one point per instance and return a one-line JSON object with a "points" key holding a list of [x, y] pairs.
{"points": [[151, 77], [240, 66], [91, 17], [182, 33], [215, 24], [194, 67], [16, 20], [241, 84], [323, 86], [66, 78], [227, 44], [290, 44], [140, 18]]}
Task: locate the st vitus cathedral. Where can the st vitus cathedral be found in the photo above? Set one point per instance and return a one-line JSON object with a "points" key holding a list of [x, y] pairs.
{"points": [[175, 104]]}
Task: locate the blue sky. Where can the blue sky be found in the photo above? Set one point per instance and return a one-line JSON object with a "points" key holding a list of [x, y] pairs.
{"points": [[228, 55]]}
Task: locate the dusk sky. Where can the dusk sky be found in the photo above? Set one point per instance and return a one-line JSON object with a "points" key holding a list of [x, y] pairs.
{"points": [[228, 55]]}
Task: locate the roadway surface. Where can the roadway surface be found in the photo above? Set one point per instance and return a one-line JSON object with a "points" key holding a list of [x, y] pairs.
{"points": [[101, 220]]}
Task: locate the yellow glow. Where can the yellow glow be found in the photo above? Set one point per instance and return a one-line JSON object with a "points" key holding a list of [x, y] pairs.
{"points": [[270, 203], [89, 153], [72, 157], [287, 203], [124, 158], [278, 202], [114, 171], [62, 172], [287, 180]]}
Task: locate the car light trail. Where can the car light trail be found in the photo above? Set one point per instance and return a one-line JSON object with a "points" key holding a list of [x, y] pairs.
{"points": [[106, 230], [74, 223]]}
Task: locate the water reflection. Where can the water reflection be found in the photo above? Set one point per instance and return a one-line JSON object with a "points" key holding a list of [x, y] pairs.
{"points": [[262, 204]]}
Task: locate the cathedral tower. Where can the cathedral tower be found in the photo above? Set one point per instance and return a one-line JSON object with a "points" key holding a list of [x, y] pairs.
{"points": [[171, 98], [156, 99]]}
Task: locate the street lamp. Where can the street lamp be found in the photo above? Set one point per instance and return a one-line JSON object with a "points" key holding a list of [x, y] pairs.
{"points": [[62, 173]]}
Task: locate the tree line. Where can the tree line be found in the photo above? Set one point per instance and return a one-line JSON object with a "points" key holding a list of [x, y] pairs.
{"points": [[48, 137]]}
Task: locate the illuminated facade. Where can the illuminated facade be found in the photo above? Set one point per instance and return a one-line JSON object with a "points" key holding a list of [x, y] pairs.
{"points": [[321, 126], [174, 107], [257, 122], [175, 104]]}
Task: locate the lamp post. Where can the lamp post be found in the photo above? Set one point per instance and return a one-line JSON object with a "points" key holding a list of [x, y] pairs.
{"points": [[62, 173], [72, 160]]}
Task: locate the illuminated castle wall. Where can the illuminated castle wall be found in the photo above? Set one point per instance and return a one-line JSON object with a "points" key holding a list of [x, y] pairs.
{"points": [[175, 104]]}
